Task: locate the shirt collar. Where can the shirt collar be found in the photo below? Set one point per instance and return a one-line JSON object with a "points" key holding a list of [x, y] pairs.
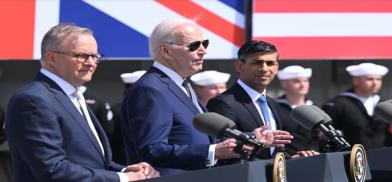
{"points": [[169, 72], [253, 94], [64, 85], [375, 97]]}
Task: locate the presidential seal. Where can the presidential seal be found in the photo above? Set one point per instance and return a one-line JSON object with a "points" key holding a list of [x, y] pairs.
{"points": [[279, 168], [358, 163]]}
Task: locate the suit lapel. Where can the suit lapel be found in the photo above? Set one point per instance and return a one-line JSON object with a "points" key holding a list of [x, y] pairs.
{"points": [[64, 101], [101, 134], [176, 90], [242, 97], [271, 104]]}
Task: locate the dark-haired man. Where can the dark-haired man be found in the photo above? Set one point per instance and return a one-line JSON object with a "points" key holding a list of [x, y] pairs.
{"points": [[246, 102]]}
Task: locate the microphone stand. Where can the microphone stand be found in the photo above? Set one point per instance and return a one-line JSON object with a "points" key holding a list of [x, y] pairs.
{"points": [[244, 155], [336, 137]]}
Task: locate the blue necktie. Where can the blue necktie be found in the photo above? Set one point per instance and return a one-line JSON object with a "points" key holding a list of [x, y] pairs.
{"points": [[191, 95], [262, 101], [186, 86]]}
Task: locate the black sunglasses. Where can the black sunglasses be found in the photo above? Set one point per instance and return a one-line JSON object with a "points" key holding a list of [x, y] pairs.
{"points": [[193, 46]]}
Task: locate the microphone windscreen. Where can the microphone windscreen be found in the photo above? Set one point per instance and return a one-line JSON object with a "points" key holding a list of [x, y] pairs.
{"points": [[306, 116], [383, 110], [212, 124], [389, 101], [326, 118]]}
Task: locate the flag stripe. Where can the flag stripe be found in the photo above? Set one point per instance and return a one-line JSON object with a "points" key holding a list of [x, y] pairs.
{"points": [[223, 11], [208, 20], [332, 47], [303, 6], [322, 24], [47, 16], [17, 18]]}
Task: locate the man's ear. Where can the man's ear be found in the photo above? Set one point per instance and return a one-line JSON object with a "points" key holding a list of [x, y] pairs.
{"points": [[49, 58], [165, 52], [238, 64]]}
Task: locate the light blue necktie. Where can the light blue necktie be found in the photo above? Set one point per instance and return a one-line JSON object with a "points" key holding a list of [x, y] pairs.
{"points": [[262, 101]]}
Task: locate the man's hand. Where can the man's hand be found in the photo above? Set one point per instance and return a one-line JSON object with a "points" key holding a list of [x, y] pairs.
{"points": [[307, 153], [264, 136], [275, 138], [225, 149], [140, 171]]}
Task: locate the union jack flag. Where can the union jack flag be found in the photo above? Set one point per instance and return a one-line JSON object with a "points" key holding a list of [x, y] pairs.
{"points": [[122, 27]]}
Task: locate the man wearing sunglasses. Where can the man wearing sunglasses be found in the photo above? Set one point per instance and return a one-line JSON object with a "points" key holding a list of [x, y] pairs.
{"points": [[52, 134], [159, 108], [246, 102]]}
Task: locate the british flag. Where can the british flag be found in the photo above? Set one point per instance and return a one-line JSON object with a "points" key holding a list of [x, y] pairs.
{"points": [[122, 27]]}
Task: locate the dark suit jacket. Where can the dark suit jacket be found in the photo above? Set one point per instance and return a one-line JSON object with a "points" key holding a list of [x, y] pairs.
{"points": [[157, 125], [51, 141], [349, 115], [236, 105], [2, 133], [303, 138]]}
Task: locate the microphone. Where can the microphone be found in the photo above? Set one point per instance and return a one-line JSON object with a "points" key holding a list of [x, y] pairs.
{"points": [[311, 118], [216, 125], [328, 122], [383, 110]]}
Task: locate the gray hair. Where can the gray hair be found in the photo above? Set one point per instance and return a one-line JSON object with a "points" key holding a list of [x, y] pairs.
{"points": [[57, 34], [163, 32]]}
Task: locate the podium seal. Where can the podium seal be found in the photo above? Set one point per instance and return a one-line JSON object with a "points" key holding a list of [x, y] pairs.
{"points": [[279, 168], [358, 163]]}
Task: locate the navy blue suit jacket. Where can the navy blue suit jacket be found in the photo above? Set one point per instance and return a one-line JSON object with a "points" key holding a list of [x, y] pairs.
{"points": [[157, 126], [236, 105], [51, 141]]}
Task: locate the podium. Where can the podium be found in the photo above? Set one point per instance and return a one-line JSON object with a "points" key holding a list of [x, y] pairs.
{"points": [[255, 171], [327, 167], [324, 167], [380, 163]]}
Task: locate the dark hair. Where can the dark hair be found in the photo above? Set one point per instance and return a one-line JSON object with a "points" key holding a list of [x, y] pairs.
{"points": [[254, 46]]}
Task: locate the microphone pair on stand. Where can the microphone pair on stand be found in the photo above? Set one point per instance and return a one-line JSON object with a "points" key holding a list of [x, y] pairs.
{"points": [[311, 118], [218, 126]]}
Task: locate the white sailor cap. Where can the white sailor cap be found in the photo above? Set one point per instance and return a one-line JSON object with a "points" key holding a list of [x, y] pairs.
{"points": [[294, 71], [129, 78], [210, 77], [365, 69]]}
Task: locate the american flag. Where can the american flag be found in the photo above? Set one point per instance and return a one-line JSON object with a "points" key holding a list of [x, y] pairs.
{"points": [[122, 27], [325, 29]]}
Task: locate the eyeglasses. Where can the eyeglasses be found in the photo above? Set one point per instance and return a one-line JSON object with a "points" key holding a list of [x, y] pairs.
{"points": [[82, 57], [261, 62], [193, 46]]}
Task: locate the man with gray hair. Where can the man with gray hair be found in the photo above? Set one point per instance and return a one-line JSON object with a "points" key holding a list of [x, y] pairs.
{"points": [[159, 108], [53, 135]]}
